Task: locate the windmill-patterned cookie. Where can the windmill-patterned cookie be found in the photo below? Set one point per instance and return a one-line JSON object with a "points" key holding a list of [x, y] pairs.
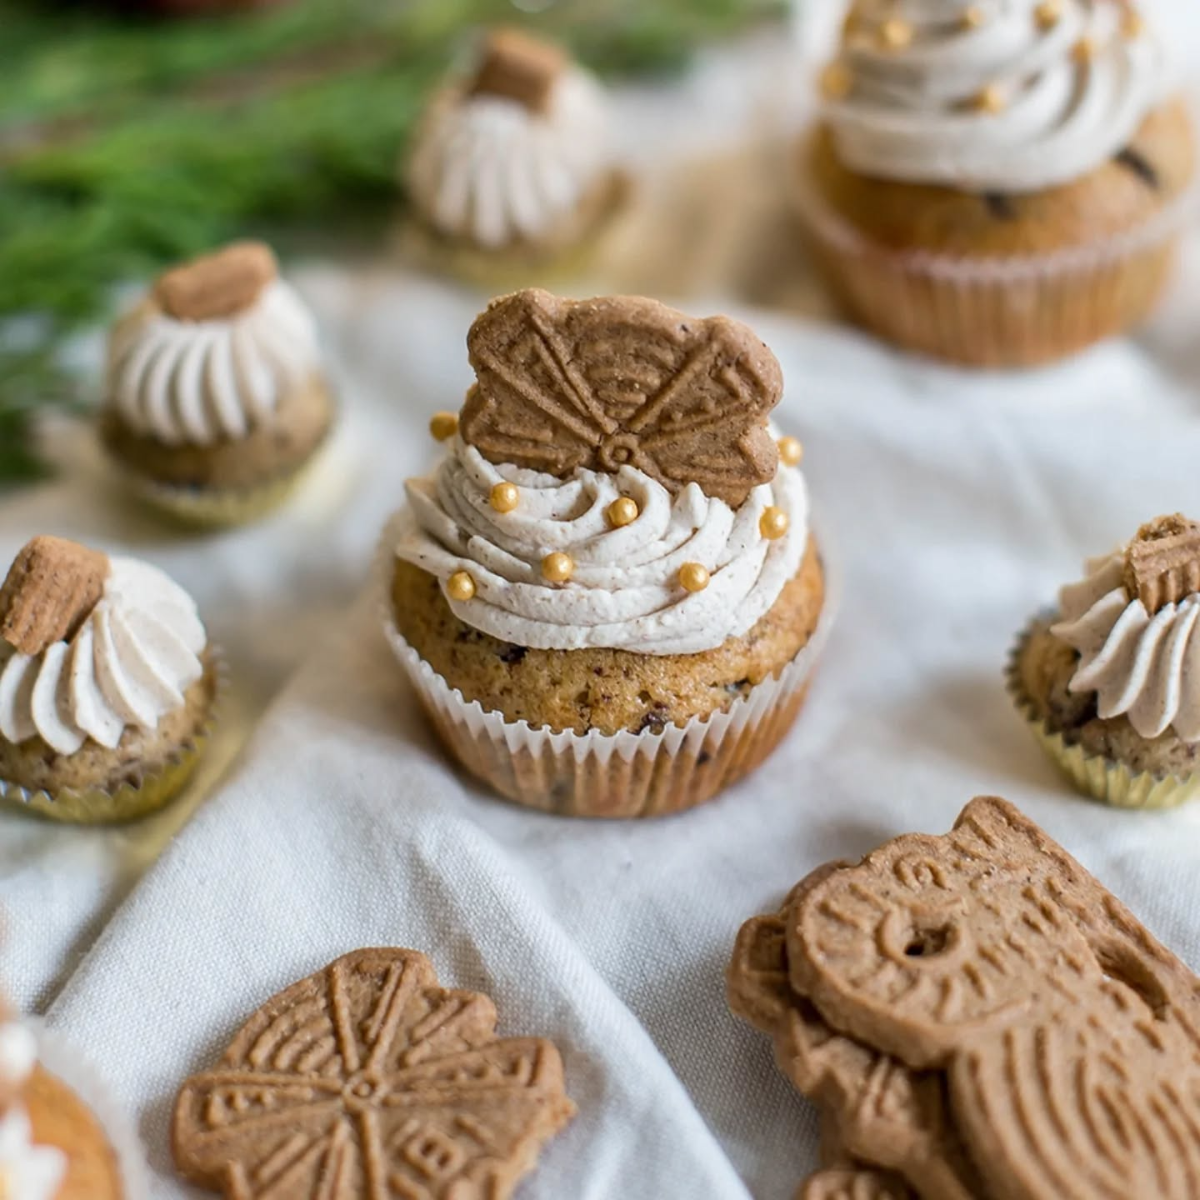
{"points": [[367, 1081], [855, 1183], [876, 1110], [1067, 1034], [622, 380]]}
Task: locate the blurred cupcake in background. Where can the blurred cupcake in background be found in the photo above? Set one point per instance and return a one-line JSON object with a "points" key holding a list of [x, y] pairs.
{"points": [[215, 397], [61, 1136], [997, 182], [512, 173], [108, 684]]}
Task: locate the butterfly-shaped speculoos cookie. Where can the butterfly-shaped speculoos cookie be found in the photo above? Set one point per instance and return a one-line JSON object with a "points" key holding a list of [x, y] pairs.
{"points": [[1069, 1037], [622, 381], [875, 1109], [367, 1081]]}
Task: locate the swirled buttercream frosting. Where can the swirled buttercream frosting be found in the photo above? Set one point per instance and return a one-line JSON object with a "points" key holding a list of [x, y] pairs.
{"points": [[128, 665], [624, 591], [1141, 666], [197, 382], [1013, 95], [491, 170]]}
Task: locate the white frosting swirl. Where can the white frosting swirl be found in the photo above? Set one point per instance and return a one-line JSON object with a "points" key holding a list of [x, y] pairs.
{"points": [[129, 665], [488, 169], [29, 1171], [1144, 667], [624, 592], [199, 382], [912, 114]]}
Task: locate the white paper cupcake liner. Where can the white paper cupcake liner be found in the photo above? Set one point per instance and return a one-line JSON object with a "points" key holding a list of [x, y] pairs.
{"points": [[1105, 779], [58, 1057], [1016, 310], [155, 790], [611, 775]]}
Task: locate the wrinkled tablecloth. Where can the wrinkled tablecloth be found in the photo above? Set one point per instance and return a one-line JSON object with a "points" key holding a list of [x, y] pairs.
{"points": [[953, 505]]}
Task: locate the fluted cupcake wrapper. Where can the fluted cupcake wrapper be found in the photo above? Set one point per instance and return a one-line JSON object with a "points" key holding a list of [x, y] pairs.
{"points": [[153, 791], [595, 774], [63, 1060], [1105, 779], [996, 311]]}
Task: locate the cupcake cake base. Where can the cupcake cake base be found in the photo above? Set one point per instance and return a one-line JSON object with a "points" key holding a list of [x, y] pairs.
{"points": [[994, 279], [689, 743]]}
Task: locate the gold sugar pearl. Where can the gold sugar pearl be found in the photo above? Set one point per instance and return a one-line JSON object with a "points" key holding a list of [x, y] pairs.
{"points": [[1084, 50], [558, 567], [622, 511], [1133, 24], [460, 586], [444, 426], [1048, 14], [836, 81], [972, 18], [895, 34], [773, 523], [505, 497], [693, 577], [993, 99], [791, 451]]}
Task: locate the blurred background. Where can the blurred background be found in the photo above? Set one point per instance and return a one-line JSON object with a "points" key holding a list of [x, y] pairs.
{"points": [[136, 133]]}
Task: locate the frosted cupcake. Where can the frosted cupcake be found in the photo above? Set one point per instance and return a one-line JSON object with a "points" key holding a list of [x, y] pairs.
{"points": [[999, 182], [107, 684], [513, 172], [1111, 682], [216, 401], [607, 593], [52, 1147]]}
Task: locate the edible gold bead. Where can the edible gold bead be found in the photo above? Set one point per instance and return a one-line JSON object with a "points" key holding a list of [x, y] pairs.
{"points": [[622, 511], [973, 17], [505, 497], [557, 567], [836, 81], [693, 577], [1048, 13], [444, 426], [1084, 50], [460, 586], [1133, 24], [993, 99], [791, 451], [773, 523], [895, 34]]}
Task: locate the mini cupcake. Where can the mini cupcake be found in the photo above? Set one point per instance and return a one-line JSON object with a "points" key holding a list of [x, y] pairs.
{"points": [[997, 182], [1110, 683], [607, 594], [60, 1138], [512, 171], [215, 397], [107, 684]]}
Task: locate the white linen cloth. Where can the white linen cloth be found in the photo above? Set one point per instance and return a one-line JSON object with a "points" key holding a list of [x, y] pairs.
{"points": [[955, 505]]}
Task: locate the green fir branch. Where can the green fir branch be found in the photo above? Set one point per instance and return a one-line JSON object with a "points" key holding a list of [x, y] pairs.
{"points": [[127, 144]]}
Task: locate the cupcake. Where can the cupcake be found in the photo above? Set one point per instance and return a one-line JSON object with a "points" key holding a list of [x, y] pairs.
{"points": [[512, 172], [607, 593], [1110, 682], [998, 183], [215, 397], [107, 684]]}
